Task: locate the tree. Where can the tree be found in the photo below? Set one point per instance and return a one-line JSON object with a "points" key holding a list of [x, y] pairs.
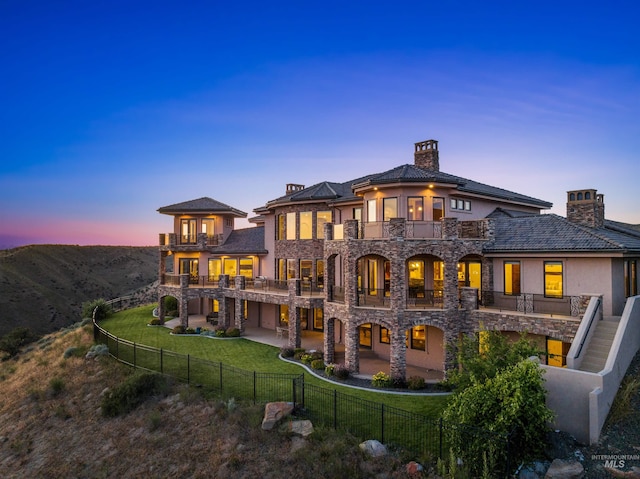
{"points": [[100, 306], [11, 342]]}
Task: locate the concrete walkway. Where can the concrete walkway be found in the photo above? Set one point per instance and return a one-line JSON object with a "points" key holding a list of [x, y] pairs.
{"points": [[370, 364]]}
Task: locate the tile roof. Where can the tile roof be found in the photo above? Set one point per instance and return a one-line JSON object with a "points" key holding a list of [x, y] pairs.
{"points": [[201, 205], [550, 232], [244, 241]]}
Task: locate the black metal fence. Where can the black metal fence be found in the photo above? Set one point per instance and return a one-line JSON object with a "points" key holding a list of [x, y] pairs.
{"points": [[423, 436]]}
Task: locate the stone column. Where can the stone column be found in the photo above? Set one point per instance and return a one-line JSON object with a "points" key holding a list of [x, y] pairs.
{"points": [[161, 310], [351, 229], [398, 359], [238, 315], [469, 298], [329, 340], [295, 337], [450, 285], [449, 228], [351, 353], [222, 310], [184, 306], [451, 338]]}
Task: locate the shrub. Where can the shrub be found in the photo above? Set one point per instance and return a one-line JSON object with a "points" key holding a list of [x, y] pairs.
{"points": [[132, 392], [233, 333], [416, 382], [155, 322], [57, 386], [512, 402], [15, 339], [286, 352], [73, 351], [381, 380], [340, 371], [306, 358], [189, 331], [179, 329], [97, 350], [99, 307], [329, 369], [297, 354], [317, 364], [221, 332], [171, 306]]}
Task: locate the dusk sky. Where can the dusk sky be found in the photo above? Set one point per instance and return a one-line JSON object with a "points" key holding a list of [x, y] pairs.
{"points": [[112, 109]]}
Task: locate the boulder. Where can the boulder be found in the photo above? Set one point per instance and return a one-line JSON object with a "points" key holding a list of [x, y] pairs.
{"points": [[274, 412], [634, 473], [301, 428], [561, 469], [374, 448], [414, 468]]}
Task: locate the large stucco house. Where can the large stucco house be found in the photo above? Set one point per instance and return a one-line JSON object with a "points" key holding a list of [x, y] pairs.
{"points": [[402, 262]]}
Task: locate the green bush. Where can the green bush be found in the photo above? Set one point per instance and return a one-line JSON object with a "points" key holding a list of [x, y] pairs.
{"points": [[171, 306], [133, 392], [15, 339], [329, 370], [155, 322], [233, 333], [416, 382], [381, 380], [317, 364], [221, 332], [286, 352], [101, 308], [57, 386], [189, 331], [340, 371], [179, 329], [74, 351], [485, 413]]}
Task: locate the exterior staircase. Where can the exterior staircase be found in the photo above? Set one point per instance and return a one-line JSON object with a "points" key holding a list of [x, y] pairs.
{"points": [[600, 345]]}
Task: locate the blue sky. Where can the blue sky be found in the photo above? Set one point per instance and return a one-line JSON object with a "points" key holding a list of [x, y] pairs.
{"points": [[113, 109]]}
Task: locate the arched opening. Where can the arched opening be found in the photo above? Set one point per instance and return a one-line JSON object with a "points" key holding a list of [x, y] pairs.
{"points": [[373, 277], [425, 351], [425, 281]]}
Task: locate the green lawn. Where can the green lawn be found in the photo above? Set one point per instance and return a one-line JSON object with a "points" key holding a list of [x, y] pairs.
{"points": [[249, 355]]}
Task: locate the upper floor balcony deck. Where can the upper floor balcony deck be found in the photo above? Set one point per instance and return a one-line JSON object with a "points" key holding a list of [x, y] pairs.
{"points": [[446, 228], [197, 242]]}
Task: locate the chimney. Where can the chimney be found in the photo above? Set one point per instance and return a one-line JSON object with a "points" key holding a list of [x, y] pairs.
{"points": [[292, 188], [426, 155], [585, 207]]}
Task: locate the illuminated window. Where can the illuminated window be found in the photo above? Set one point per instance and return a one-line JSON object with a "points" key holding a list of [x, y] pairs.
{"points": [[364, 333], [318, 319], [246, 267], [280, 231], [416, 278], [371, 211], [322, 217], [281, 271], [553, 279], [291, 268], [320, 273], [512, 277], [306, 228], [437, 208], [230, 266], [415, 208], [208, 226], [390, 208], [385, 335], [357, 214], [418, 337], [305, 269], [630, 278], [188, 231], [373, 276], [283, 315], [215, 269], [291, 226], [557, 352]]}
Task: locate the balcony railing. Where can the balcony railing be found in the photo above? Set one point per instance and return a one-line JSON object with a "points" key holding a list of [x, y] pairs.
{"points": [[425, 299], [336, 294], [446, 228], [375, 298], [531, 303], [311, 288]]}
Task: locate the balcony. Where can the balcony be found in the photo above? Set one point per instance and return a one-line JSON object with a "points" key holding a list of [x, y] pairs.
{"points": [[529, 303], [374, 298], [425, 299], [196, 242]]}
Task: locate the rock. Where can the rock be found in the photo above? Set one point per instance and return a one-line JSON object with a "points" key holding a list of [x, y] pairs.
{"points": [[274, 412], [560, 445], [297, 443], [528, 474], [634, 473], [561, 469], [414, 468], [374, 448], [301, 428]]}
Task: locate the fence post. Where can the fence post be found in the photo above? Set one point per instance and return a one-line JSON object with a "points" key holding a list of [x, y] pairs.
{"points": [[335, 409], [440, 438], [254, 387], [188, 368], [161, 363], [220, 377], [134, 355], [382, 423]]}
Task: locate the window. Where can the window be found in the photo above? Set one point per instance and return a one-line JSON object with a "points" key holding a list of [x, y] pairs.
{"points": [[208, 226], [385, 335], [246, 267], [306, 227], [630, 278], [512, 277], [230, 266], [215, 269], [357, 214], [460, 205], [291, 268], [305, 269], [390, 208], [416, 278], [281, 271], [320, 273], [318, 319], [291, 226], [373, 276], [229, 222], [553, 279], [419, 337], [283, 315], [437, 207], [322, 217], [280, 231], [188, 231], [371, 211], [557, 352], [190, 266], [415, 210], [364, 333]]}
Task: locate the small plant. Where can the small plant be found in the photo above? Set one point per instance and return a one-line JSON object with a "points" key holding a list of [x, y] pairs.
{"points": [[286, 352], [381, 380], [97, 350], [416, 382], [298, 353], [155, 420], [189, 331], [57, 386], [317, 364], [97, 309], [132, 392], [221, 332], [340, 371], [155, 322], [306, 358], [233, 333], [70, 352], [329, 370], [179, 329]]}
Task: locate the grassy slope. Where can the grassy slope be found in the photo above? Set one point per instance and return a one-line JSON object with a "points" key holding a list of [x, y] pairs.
{"points": [[43, 286], [249, 355]]}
